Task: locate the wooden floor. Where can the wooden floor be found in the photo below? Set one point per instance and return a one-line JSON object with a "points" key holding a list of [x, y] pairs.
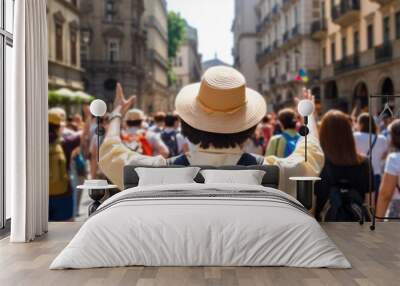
{"points": [[375, 257]]}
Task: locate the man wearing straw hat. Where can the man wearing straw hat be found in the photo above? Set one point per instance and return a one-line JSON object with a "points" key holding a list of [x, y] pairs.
{"points": [[218, 115]]}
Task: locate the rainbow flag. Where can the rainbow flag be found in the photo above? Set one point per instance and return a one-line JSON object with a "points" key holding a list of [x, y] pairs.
{"points": [[302, 76]]}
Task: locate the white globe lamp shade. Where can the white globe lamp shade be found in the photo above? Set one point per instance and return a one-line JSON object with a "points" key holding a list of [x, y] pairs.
{"points": [[305, 107], [98, 108]]}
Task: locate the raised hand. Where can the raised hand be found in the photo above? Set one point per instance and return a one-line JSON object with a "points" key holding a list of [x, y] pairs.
{"points": [[120, 102], [305, 95]]}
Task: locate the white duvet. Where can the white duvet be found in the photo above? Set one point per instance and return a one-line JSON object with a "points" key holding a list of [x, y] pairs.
{"points": [[202, 231]]}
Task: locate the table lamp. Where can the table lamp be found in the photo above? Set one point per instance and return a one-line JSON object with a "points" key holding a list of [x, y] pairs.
{"points": [[98, 108]]}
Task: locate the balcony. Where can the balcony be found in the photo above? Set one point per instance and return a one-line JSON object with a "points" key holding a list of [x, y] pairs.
{"points": [[275, 12], [346, 13], [347, 64], [318, 29], [384, 52], [263, 24], [286, 36], [383, 2], [261, 56], [295, 31]]}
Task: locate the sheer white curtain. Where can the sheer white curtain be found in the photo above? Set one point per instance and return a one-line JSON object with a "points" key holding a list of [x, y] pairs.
{"points": [[26, 124]]}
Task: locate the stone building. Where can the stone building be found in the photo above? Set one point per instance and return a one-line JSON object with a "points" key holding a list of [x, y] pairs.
{"points": [[113, 47], [245, 41], [187, 63], [64, 45], [284, 46], [360, 52], [155, 22]]}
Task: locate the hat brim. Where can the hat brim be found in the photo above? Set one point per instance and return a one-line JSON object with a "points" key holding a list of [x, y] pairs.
{"points": [[189, 109]]}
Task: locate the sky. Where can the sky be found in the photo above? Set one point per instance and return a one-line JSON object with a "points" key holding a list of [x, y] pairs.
{"points": [[213, 20]]}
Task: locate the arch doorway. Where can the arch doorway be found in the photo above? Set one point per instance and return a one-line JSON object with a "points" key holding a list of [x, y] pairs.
{"points": [[360, 96], [387, 88]]}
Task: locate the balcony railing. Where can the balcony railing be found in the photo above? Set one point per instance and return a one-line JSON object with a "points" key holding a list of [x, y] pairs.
{"points": [[346, 12], [384, 52], [347, 64]]}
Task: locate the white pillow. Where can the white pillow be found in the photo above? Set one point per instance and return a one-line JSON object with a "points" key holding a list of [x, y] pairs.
{"points": [[246, 177], [166, 176]]}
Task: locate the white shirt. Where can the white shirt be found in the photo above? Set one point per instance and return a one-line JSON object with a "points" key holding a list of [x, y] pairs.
{"points": [[378, 151], [392, 167]]}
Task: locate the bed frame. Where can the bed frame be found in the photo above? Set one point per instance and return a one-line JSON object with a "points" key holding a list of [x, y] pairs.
{"points": [[270, 179]]}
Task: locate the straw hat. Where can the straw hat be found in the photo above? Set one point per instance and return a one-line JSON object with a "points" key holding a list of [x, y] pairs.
{"points": [[56, 116], [134, 114], [221, 102]]}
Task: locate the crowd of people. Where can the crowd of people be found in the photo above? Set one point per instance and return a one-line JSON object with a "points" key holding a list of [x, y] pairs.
{"points": [[162, 138]]}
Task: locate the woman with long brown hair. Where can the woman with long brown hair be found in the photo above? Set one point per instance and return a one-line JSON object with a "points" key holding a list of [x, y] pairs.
{"points": [[344, 169]]}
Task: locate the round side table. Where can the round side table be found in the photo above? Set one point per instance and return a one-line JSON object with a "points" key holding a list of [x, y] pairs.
{"points": [[305, 190], [96, 193]]}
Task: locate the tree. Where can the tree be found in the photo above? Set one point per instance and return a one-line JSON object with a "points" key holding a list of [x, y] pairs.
{"points": [[176, 33]]}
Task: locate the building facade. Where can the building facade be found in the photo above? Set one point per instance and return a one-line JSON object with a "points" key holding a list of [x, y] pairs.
{"points": [[285, 46], [64, 44], [245, 41], [360, 53], [113, 47], [155, 22], [187, 63]]}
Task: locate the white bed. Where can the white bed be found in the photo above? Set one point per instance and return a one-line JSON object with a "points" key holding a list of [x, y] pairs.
{"points": [[201, 225]]}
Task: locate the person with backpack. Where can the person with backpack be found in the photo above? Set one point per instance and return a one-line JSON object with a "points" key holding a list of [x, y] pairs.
{"points": [[389, 193], [172, 138], [217, 116], [283, 144], [341, 193], [137, 139]]}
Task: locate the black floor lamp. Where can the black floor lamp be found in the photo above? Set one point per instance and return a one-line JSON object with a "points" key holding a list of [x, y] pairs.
{"points": [[305, 185]]}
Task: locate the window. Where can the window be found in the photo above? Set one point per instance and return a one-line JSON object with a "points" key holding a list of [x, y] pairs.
{"points": [[386, 29], [324, 56], [344, 47], [333, 52], [356, 40], [6, 64], [113, 50], [109, 10], [84, 52], [398, 25], [370, 36], [73, 46], [59, 42]]}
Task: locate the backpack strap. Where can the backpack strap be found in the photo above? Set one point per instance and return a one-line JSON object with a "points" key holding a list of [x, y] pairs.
{"points": [[372, 145], [180, 160], [248, 159]]}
